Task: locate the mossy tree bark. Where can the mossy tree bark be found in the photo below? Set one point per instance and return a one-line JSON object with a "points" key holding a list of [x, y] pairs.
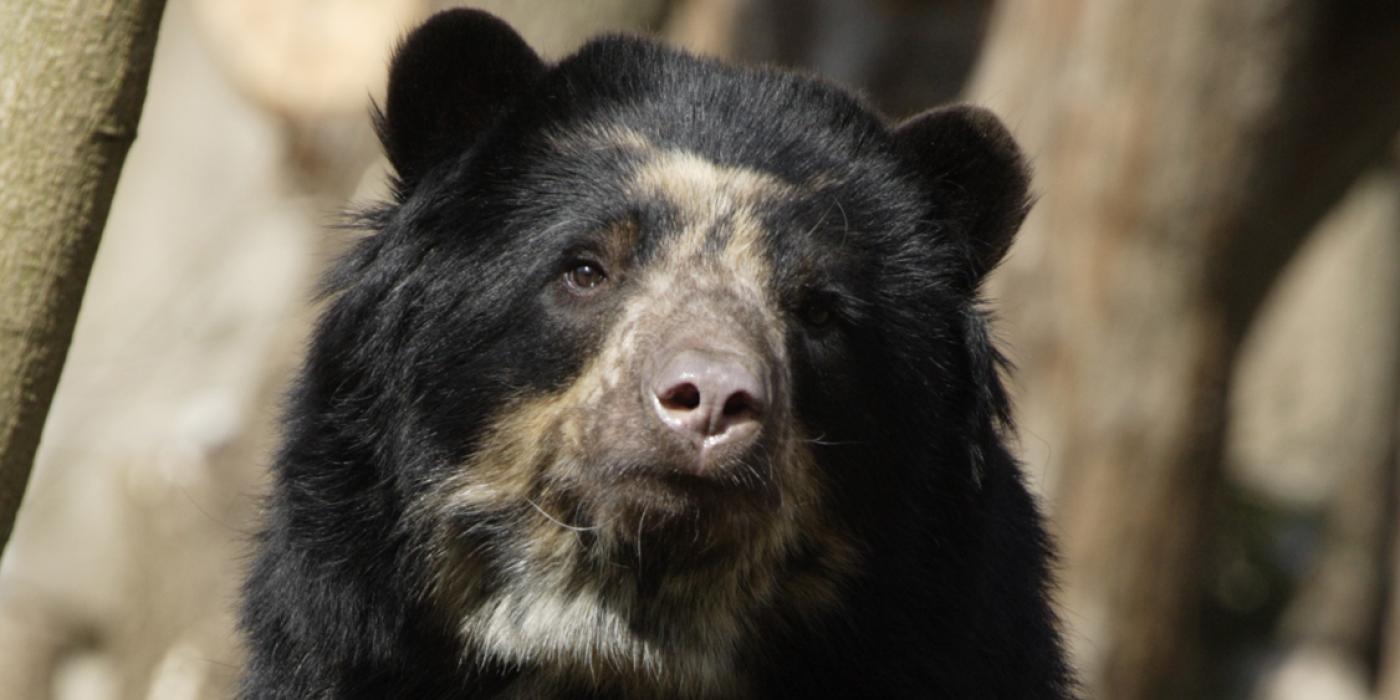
{"points": [[72, 80], [1183, 151]]}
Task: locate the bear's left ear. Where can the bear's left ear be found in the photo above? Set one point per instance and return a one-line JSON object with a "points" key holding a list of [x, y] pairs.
{"points": [[970, 162], [449, 80]]}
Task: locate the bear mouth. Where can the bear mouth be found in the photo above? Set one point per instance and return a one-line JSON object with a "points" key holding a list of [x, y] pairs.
{"points": [[682, 489], [663, 501], [693, 476]]}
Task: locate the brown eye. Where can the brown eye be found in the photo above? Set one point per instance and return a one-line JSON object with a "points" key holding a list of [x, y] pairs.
{"points": [[817, 313], [585, 276]]}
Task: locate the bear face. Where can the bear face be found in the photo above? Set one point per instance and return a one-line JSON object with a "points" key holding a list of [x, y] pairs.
{"points": [[657, 377]]}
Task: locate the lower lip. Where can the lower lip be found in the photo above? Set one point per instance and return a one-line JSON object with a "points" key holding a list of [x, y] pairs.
{"points": [[719, 487]]}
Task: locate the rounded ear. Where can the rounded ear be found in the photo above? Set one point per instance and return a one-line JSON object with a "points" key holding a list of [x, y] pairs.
{"points": [[970, 163], [448, 82]]}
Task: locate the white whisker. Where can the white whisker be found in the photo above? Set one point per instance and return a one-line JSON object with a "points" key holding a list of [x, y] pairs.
{"points": [[556, 521], [821, 440]]}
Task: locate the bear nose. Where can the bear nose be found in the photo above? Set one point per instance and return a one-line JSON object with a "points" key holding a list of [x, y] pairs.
{"points": [[712, 399]]}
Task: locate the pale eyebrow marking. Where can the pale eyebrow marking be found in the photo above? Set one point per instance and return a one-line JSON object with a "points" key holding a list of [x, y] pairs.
{"points": [[598, 137]]}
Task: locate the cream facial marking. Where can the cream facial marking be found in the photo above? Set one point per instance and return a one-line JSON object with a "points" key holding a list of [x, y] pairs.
{"points": [[595, 137]]}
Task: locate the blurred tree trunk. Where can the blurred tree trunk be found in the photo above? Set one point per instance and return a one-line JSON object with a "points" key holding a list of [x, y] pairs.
{"points": [[908, 55], [1388, 685], [1183, 151], [1330, 333], [72, 81]]}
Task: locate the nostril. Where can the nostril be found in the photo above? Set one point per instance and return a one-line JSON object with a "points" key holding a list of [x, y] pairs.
{"points": [[740, 405], [708, 398], [681, 397]]}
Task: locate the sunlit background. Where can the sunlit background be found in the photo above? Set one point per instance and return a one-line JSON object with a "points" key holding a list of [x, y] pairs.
{"points": [[1204, 309]]}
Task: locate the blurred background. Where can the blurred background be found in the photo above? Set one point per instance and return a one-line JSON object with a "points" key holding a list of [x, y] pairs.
{"points": [[1204, 308]]}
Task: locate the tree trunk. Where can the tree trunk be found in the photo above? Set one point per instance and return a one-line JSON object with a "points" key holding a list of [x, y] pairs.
{"points": [[72, 80], [1329, 334], [1388, 683], [1183, 150]]}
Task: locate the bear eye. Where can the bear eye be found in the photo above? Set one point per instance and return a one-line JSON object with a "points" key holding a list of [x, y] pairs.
{"points": [[817, 313], [585, 276]]}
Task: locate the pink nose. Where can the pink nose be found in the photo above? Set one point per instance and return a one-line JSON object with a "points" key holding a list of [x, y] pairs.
{"points": [[711, 399]]}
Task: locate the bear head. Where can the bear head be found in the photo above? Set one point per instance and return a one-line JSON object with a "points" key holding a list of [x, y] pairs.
{"points": [[650, 352]]}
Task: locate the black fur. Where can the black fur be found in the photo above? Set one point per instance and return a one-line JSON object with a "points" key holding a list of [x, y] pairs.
{"points": [[437, 318], [434, 104]]}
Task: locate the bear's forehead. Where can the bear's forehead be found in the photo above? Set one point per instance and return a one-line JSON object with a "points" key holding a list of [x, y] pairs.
{"points": [[642, 165], [656, 164], [727, 214]]}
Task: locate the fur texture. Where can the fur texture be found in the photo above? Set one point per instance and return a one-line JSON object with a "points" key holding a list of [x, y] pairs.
{"points": [[472, 498]]}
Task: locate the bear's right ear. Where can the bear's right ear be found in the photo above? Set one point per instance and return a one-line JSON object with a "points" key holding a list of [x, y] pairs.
{"points": [[449, 80], [971, 164]]}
